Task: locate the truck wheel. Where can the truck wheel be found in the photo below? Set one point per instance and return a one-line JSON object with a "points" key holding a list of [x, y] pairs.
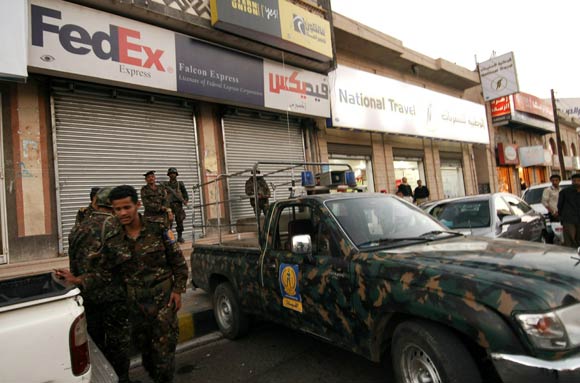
{"points": [[232, 322], [423, 352]]}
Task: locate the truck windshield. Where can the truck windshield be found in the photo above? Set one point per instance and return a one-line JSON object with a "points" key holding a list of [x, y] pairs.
{"points": [[381, 219]]}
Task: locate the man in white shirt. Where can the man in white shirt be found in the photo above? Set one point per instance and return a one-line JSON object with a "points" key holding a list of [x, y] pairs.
{"points": [[550, 197]]}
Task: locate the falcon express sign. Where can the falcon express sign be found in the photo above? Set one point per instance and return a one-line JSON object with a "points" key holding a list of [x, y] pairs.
{"points": [[74, 39]]}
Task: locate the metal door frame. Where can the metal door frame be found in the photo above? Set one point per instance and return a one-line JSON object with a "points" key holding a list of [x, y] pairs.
{"points": [[4, 254]]}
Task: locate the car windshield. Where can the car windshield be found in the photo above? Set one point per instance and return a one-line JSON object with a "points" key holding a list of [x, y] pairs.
{"points": [[381, 219], [463, 214], [534, 196]]}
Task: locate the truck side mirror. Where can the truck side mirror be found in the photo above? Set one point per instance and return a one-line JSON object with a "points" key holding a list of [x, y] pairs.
{"points": [[302, 245], [510, 220]]}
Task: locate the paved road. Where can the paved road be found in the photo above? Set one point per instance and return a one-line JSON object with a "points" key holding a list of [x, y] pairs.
{"points": [[270, 354]]}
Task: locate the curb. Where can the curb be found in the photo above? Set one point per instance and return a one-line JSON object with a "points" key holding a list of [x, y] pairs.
{"points": [[195, 324]]}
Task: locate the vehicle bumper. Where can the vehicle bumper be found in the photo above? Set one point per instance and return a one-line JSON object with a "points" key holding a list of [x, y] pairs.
{"points": [[521, 368]]}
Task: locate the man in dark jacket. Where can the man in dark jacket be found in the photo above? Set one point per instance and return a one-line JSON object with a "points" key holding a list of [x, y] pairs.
{"points": [[405, 189], [421, 193], [569, 212]]}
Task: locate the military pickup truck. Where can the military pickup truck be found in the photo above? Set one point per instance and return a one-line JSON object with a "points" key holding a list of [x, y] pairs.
{"points": [[375, 275]]}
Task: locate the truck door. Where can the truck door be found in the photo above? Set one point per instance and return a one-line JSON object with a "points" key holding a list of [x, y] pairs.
{"points": [[3, 222], [310, 293]]}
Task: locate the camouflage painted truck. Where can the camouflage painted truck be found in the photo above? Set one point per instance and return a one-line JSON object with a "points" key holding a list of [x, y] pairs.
{"points": [[375, 275]]}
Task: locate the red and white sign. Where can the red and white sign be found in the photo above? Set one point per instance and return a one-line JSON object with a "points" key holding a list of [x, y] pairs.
{"points": [[533, 105], [501, 106], [507, 153], [69, 38], [295, 90]]}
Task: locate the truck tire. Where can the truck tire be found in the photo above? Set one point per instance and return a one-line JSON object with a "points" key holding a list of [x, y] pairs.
{"points": [[232, 322], [426, 352]]}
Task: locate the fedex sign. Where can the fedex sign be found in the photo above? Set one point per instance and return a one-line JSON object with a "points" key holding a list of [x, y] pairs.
{"points": [[73, 39]]}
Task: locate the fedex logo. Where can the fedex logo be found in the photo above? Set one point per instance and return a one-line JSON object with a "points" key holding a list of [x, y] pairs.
{"points": [[119, 44]]}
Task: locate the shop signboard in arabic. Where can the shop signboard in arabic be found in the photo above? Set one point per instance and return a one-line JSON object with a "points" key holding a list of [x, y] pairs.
{"points": [[14, 32], [498, 76], [533, 105], [501, 109], [570, 106], [532, 155], [74, 41], [295, 90], [278, 23], [361, 100]]}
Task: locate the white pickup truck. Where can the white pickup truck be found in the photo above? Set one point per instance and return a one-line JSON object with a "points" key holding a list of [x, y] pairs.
{"points": [[43, 334]]}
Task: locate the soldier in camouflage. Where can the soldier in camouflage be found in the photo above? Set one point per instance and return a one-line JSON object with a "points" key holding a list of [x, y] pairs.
{"points": [[86, 211], [177, 193], [155, 200], [263, 193], [105, 298], [149, 260]]}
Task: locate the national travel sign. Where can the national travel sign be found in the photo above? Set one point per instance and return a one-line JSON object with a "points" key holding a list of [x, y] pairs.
{"points": [[279, 23], [362, 100], [69, 39]]}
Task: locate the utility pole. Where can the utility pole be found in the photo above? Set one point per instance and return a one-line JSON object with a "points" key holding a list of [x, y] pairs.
{"points": [[558, 137]]}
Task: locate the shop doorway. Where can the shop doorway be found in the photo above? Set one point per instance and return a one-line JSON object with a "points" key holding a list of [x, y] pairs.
{"points": [[452, 177], [362, 167], [3, 226], [504, 178], [410, 168]]}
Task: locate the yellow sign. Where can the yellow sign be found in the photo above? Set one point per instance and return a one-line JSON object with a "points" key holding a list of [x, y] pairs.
{"points": [[306, 29], [288, 279], [289, 287], [292, 304]]}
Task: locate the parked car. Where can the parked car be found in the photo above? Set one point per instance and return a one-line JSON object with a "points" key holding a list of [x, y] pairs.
{"points": [[498, 215], [533, 196]]}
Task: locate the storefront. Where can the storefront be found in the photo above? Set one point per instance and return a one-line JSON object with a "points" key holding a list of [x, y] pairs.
{"points": [[359, 158], [407, 131], [520, 122], [99, 114]]}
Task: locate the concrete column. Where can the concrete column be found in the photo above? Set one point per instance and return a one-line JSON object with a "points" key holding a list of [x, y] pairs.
{"points": [[379, 164], [390, 164], [432, 163], [469, 177]]}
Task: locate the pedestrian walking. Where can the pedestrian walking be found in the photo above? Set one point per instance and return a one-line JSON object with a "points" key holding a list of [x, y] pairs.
{"points": [[405, 189], [177, 194], [550, 197], [263, 193], [155, 200], [569, 212], [421, 193], [86, 211], [149, 260], [104, 299]]}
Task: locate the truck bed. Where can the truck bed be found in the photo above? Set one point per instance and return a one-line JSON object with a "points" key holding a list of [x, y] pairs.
{"points": [[32, 288], [241, 240]]}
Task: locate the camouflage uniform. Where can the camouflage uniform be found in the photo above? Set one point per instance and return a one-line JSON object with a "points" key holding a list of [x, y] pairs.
{"points": [[105, 298], [82, 213], [152, 266], [176, 199], [263, 193], [156, 203]]}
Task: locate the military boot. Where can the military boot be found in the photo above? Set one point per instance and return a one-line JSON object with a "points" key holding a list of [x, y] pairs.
{"points": [[180, 238]]}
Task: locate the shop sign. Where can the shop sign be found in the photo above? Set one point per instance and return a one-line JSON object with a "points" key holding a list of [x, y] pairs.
{"points": [[14, 32], [531, 155], [548, 158], [500, 107], [533, 105], [361, 100], [68, 38], [570, 106], [278, 23], [576, 161], [507, 154], [295, 90], [498, 76], [71, 39]]}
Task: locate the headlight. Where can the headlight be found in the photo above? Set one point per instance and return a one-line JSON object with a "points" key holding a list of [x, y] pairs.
{"points": [[556, 330]]}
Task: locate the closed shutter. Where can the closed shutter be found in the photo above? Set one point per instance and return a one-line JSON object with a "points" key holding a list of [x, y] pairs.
{"points": [[249, 140], [103, 140]]}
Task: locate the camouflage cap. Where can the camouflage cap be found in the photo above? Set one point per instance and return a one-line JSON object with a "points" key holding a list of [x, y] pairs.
{"points": [[103, 197], [148, 173], [172, 170]]}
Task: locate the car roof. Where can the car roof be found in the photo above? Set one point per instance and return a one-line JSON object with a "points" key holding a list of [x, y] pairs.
{"points": [[547, 184]]}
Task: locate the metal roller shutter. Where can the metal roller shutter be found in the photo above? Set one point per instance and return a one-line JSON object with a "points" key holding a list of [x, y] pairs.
{"points": [[101, 140], [248, 140]]}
